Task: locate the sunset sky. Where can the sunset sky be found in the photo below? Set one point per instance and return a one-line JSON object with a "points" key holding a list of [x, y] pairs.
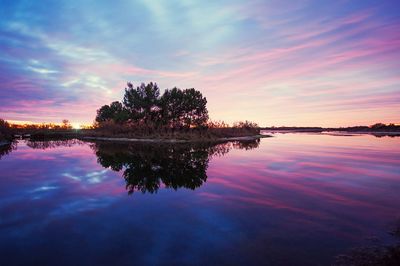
{"points": [[303, 63]]}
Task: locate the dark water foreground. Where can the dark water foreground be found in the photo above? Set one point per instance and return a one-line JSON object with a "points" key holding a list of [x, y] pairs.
{"points": [[295, 199]]}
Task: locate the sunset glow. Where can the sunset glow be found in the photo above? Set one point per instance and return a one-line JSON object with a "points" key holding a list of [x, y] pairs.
{"points": [[303, 63]]}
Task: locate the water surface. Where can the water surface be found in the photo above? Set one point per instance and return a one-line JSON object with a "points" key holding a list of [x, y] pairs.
{"points": [[294, 199]]}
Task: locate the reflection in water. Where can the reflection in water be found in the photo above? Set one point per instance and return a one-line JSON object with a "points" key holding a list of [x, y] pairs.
{"points": [[49, 144], [7, 148], [147, 166], [390, 135]]}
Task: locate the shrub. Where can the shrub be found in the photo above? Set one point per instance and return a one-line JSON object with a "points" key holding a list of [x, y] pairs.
{"points": [[5, 130]]}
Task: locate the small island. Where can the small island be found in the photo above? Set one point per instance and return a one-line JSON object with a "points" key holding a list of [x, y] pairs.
{"points": [[176, 115]]}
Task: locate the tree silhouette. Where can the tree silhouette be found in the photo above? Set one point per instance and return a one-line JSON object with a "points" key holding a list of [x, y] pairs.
{"points": [[172, 107], [66, 124], [142, 102], [183, 108], [5, 130], [115, 112], [144, 106]]}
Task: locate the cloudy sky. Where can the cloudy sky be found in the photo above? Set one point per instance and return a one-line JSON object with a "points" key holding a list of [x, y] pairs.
{"points": [[323, 63]]}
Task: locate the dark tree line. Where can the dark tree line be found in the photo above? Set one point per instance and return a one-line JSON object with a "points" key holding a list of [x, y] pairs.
{"points": [[175, 108]]}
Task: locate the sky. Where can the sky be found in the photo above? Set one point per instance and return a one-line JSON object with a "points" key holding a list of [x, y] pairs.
{"points": [[293, 63]]}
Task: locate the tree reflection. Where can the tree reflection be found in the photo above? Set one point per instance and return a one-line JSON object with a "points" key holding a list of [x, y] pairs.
{"points": [[51, 144], [7, 148], [147, 167]]}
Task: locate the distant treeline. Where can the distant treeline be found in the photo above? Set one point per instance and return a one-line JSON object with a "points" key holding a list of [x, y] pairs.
{"points": [[305, 129], [378, 127], [43, 130], [65, 125]]}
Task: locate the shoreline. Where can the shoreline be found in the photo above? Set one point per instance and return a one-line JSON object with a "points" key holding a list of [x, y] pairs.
{"points": [[155, 140]]}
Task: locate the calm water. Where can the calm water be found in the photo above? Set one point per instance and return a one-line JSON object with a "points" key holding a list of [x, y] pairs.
{"points": [[295, 199]]}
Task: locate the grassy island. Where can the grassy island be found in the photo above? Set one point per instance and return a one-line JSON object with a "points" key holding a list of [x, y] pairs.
{"points": [[176, 114]]}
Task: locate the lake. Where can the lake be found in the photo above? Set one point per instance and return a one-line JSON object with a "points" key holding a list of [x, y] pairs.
{"points": [[293, 199]]}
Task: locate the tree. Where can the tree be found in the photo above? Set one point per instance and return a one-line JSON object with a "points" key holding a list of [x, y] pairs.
{"points": [[66, 124], [378, 126], [5, 130], [142, 102], [115, 112], [4, 125], [194, 108], [171, 107], [143, 105], [183, 108]]}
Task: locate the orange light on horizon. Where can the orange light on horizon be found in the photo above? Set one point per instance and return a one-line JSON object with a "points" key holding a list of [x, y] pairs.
{"points": [[75, 125]]}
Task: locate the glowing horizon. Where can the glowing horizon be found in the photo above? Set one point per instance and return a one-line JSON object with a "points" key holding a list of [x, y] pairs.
{"points": [[276, 63]]}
